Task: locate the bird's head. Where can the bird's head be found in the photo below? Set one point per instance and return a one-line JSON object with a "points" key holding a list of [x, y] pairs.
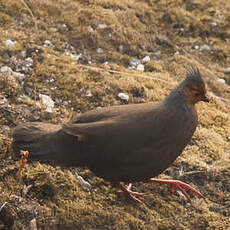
{"points": [[193, 87]]}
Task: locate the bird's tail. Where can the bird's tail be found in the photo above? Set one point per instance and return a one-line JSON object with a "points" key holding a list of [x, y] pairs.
{"points": [[45, 143]]}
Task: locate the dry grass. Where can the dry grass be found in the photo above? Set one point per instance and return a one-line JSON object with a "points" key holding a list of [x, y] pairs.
{"points": [[56, 199]]}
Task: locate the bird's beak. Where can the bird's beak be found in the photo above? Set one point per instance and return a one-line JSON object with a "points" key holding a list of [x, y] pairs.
{"points": [[205, 99]]}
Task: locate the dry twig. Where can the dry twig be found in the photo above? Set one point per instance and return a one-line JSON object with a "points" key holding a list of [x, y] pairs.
{"points": [[22, 162]]}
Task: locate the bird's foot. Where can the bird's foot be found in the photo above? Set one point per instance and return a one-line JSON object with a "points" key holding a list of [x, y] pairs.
{"points": [[179, 185], [126, 191]]}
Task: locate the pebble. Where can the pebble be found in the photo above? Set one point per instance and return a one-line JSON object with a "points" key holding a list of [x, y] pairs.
{"points": [[205, 48], [134, 63], [158, 53], [99, 50], [221, 80], [9, 44], [48, 102], [76, 57], [121, 49], [145, 59], [29, 62], [213, 24], [88, 93], [6, 70], [227, 71], [140, 67], [19, 76], [90, 29], [196, 47], [85, 185], [123, 96], [48, 43], [102, 26]]}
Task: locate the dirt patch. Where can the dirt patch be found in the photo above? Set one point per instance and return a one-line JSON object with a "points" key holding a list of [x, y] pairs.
{"points": [[87, 52]]}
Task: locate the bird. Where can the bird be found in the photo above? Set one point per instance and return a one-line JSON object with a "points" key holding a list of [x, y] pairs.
{"points": [[122, 143]]}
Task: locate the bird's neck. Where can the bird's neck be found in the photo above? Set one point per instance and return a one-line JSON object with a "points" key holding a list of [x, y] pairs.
{"points": [[175, 98]]}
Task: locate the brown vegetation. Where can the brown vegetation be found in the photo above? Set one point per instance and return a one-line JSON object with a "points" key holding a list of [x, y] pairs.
{"points": [[172, 33]]}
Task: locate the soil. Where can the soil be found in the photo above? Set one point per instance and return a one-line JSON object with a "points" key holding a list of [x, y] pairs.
{"points": [[82, 54]]}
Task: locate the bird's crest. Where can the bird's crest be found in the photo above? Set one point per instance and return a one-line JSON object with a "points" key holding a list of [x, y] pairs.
{"points": [[193, 75]]}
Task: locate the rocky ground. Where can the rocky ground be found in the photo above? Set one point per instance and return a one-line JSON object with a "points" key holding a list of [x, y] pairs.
{"points": [[62, 57]]}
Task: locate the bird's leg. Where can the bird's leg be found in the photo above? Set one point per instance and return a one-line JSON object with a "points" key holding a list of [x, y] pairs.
{"points": [[126, 190], [179, 185]]}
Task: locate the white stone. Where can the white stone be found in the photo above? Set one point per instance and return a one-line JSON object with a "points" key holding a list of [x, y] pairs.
{"points": [[102, 26], [9, 44], [145, 59], [213, 23], [227, 70], [123, 96], [29, 62], [6, 70], [134, 63], [221, 80], [75, 57], [48, 102], [84, 184], [196, 47], [140, 67], [88, 93], [19, 76], [99, 50], [205, 48], [90, 29], [49, 44], [121, 49]]}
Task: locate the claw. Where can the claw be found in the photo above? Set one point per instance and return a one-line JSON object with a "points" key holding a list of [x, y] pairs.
{"points": [[179, 185], [126, 190]]}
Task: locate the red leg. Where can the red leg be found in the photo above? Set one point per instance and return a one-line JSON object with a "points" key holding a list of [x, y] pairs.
{"points": [[179, 185], [126, 190]]}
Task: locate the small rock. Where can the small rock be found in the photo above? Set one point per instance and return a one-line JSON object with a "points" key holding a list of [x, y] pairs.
{"points": [[48, 102], [228, 139], [180, 194], [88, 93], [48, 43], [99, 50], [158, 54], [33, 224], [6, 70], [213, 24], [64, 26], [85, 185], [19, 76], [28, 91], [76, 57], [123, 96], [29, 62], [9, 44], [227, 71], [102, 26], [221, 80], [134, 63], [145, 59], [23, 53], [53, 29], [140, 67], [196, 47], [90, 29], [121, 49], [205, 48]]}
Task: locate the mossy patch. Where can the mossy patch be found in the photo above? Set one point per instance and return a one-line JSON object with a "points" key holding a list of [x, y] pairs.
{"points": [[171, 34]]}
